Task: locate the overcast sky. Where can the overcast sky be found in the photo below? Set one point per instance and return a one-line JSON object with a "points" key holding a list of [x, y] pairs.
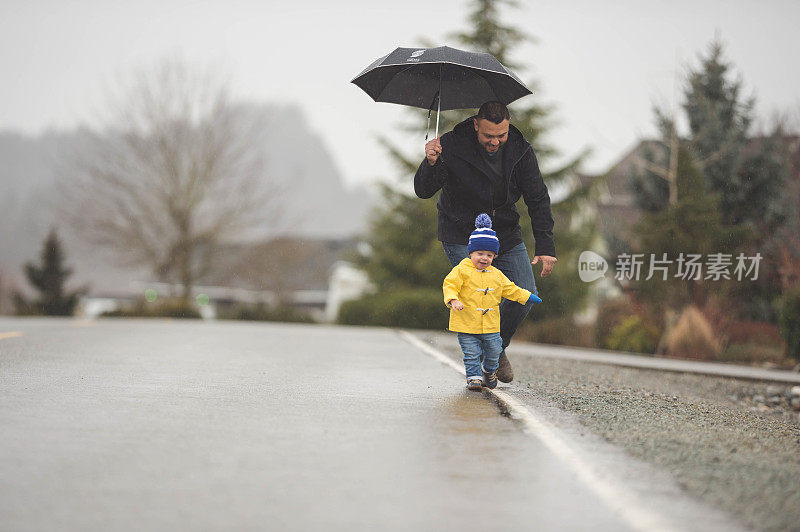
{"points": [[602, 64]]}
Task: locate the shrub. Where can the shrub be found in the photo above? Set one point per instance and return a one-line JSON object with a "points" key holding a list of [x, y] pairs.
{"points": [[635, 335], [692, 337], [171, 308], [754, 332], [557, 331], [609, 316], [412, 308], [790, 323], [262, 312]]}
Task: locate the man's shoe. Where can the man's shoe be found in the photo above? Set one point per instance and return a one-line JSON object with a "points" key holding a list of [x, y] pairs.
{"points": [[474, 384], [490, 380], [505, 373]]}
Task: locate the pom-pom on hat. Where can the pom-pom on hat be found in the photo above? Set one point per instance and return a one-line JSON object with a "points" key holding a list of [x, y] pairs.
{"points": [[483, 238]]}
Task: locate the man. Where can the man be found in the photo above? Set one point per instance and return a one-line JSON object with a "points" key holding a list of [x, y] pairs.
{"points": [[485, 165]]}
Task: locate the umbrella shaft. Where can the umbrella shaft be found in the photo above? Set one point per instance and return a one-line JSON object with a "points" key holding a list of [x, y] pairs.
{"points": [[438, 110]]}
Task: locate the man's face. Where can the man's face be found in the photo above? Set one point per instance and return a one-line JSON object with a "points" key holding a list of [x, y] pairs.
{"points": [[490, 135], [482, 259]]}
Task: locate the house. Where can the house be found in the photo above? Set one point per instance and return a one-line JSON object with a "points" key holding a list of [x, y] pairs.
{"points": [[310, 275], [615, 209], [617, 213]]}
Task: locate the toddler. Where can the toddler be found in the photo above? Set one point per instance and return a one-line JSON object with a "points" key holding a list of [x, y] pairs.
{"points": [[473, 290]]}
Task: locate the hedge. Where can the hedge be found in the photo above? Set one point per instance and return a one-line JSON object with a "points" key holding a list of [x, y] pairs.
{"points": [[790, 323], [412, 309]]}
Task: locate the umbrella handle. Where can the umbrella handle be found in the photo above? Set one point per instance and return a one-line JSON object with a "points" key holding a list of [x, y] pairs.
{"points": [[428, 127]]}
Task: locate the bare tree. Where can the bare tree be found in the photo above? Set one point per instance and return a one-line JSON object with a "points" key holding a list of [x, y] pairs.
{"points": [[178, 172]]}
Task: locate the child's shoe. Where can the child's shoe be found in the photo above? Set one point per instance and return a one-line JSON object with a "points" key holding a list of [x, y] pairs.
{"points": [[474, 384], [490, 380]]}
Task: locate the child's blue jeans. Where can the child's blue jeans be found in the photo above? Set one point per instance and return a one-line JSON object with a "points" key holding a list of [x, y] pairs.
{"points": [[480, 348]]}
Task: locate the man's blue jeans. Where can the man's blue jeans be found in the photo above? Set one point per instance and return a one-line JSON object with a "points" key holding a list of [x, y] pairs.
{"points": [[516, 265], [477, 349]]}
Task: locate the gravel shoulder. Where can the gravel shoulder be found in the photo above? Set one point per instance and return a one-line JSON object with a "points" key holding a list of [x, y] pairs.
{"points": [[732, 443]]}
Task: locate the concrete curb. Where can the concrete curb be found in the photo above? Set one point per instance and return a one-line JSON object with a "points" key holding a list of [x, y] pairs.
{"points": [[715, 369], [632, 360]]}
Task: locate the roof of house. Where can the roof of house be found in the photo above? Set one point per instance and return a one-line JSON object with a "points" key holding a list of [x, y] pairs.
{"points": [[617, 212]]}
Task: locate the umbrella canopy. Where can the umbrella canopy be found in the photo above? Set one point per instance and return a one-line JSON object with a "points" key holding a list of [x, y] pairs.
{"points": [[443, 77]]}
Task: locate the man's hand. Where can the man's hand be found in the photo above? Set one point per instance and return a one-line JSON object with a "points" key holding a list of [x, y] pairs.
{"points": [[432, 150], [547, 263], [455, 304]]}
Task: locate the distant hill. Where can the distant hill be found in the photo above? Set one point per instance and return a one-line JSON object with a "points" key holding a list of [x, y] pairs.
{"points": [[314, 199]]}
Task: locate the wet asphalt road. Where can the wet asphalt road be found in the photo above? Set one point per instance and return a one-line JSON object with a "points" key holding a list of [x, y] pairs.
{"points": [[165, 425], [705, 432]]}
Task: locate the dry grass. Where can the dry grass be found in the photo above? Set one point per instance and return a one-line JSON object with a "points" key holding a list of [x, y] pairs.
{"points": [[692, 337]]}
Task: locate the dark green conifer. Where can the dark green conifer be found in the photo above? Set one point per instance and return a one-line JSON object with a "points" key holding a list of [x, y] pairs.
{"points": [[49, 278]]}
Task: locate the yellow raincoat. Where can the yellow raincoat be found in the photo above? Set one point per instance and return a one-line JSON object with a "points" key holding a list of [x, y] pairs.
{"points": [[480, 291]]}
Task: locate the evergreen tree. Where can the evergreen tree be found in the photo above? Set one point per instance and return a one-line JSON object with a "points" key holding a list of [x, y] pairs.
{"points": [[747, 172], [764, 176], [689, 226], [744, 174], [747, 178], [49, 278], [406, 225], [402, 252]]}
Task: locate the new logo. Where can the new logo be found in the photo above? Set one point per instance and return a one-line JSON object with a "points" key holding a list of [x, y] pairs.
{"points": [[591, 266]]}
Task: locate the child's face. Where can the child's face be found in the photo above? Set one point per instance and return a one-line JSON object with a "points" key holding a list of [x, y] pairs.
{"points": [[482, 259]]}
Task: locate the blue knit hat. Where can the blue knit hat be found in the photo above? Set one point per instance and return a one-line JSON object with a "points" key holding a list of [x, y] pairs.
{"points": [[483, 238]]}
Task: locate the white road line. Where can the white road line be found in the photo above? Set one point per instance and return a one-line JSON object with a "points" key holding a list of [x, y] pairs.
{"points": [[623, 502], [435, 353]]}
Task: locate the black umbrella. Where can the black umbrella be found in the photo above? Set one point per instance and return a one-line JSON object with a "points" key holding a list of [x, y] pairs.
{"points": [[443, 77]]}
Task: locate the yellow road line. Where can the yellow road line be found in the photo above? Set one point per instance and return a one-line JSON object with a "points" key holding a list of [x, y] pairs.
{"points": [[10, 334]]}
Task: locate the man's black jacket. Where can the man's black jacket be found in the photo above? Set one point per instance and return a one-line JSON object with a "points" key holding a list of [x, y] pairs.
{"points": [[466, 187]]}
